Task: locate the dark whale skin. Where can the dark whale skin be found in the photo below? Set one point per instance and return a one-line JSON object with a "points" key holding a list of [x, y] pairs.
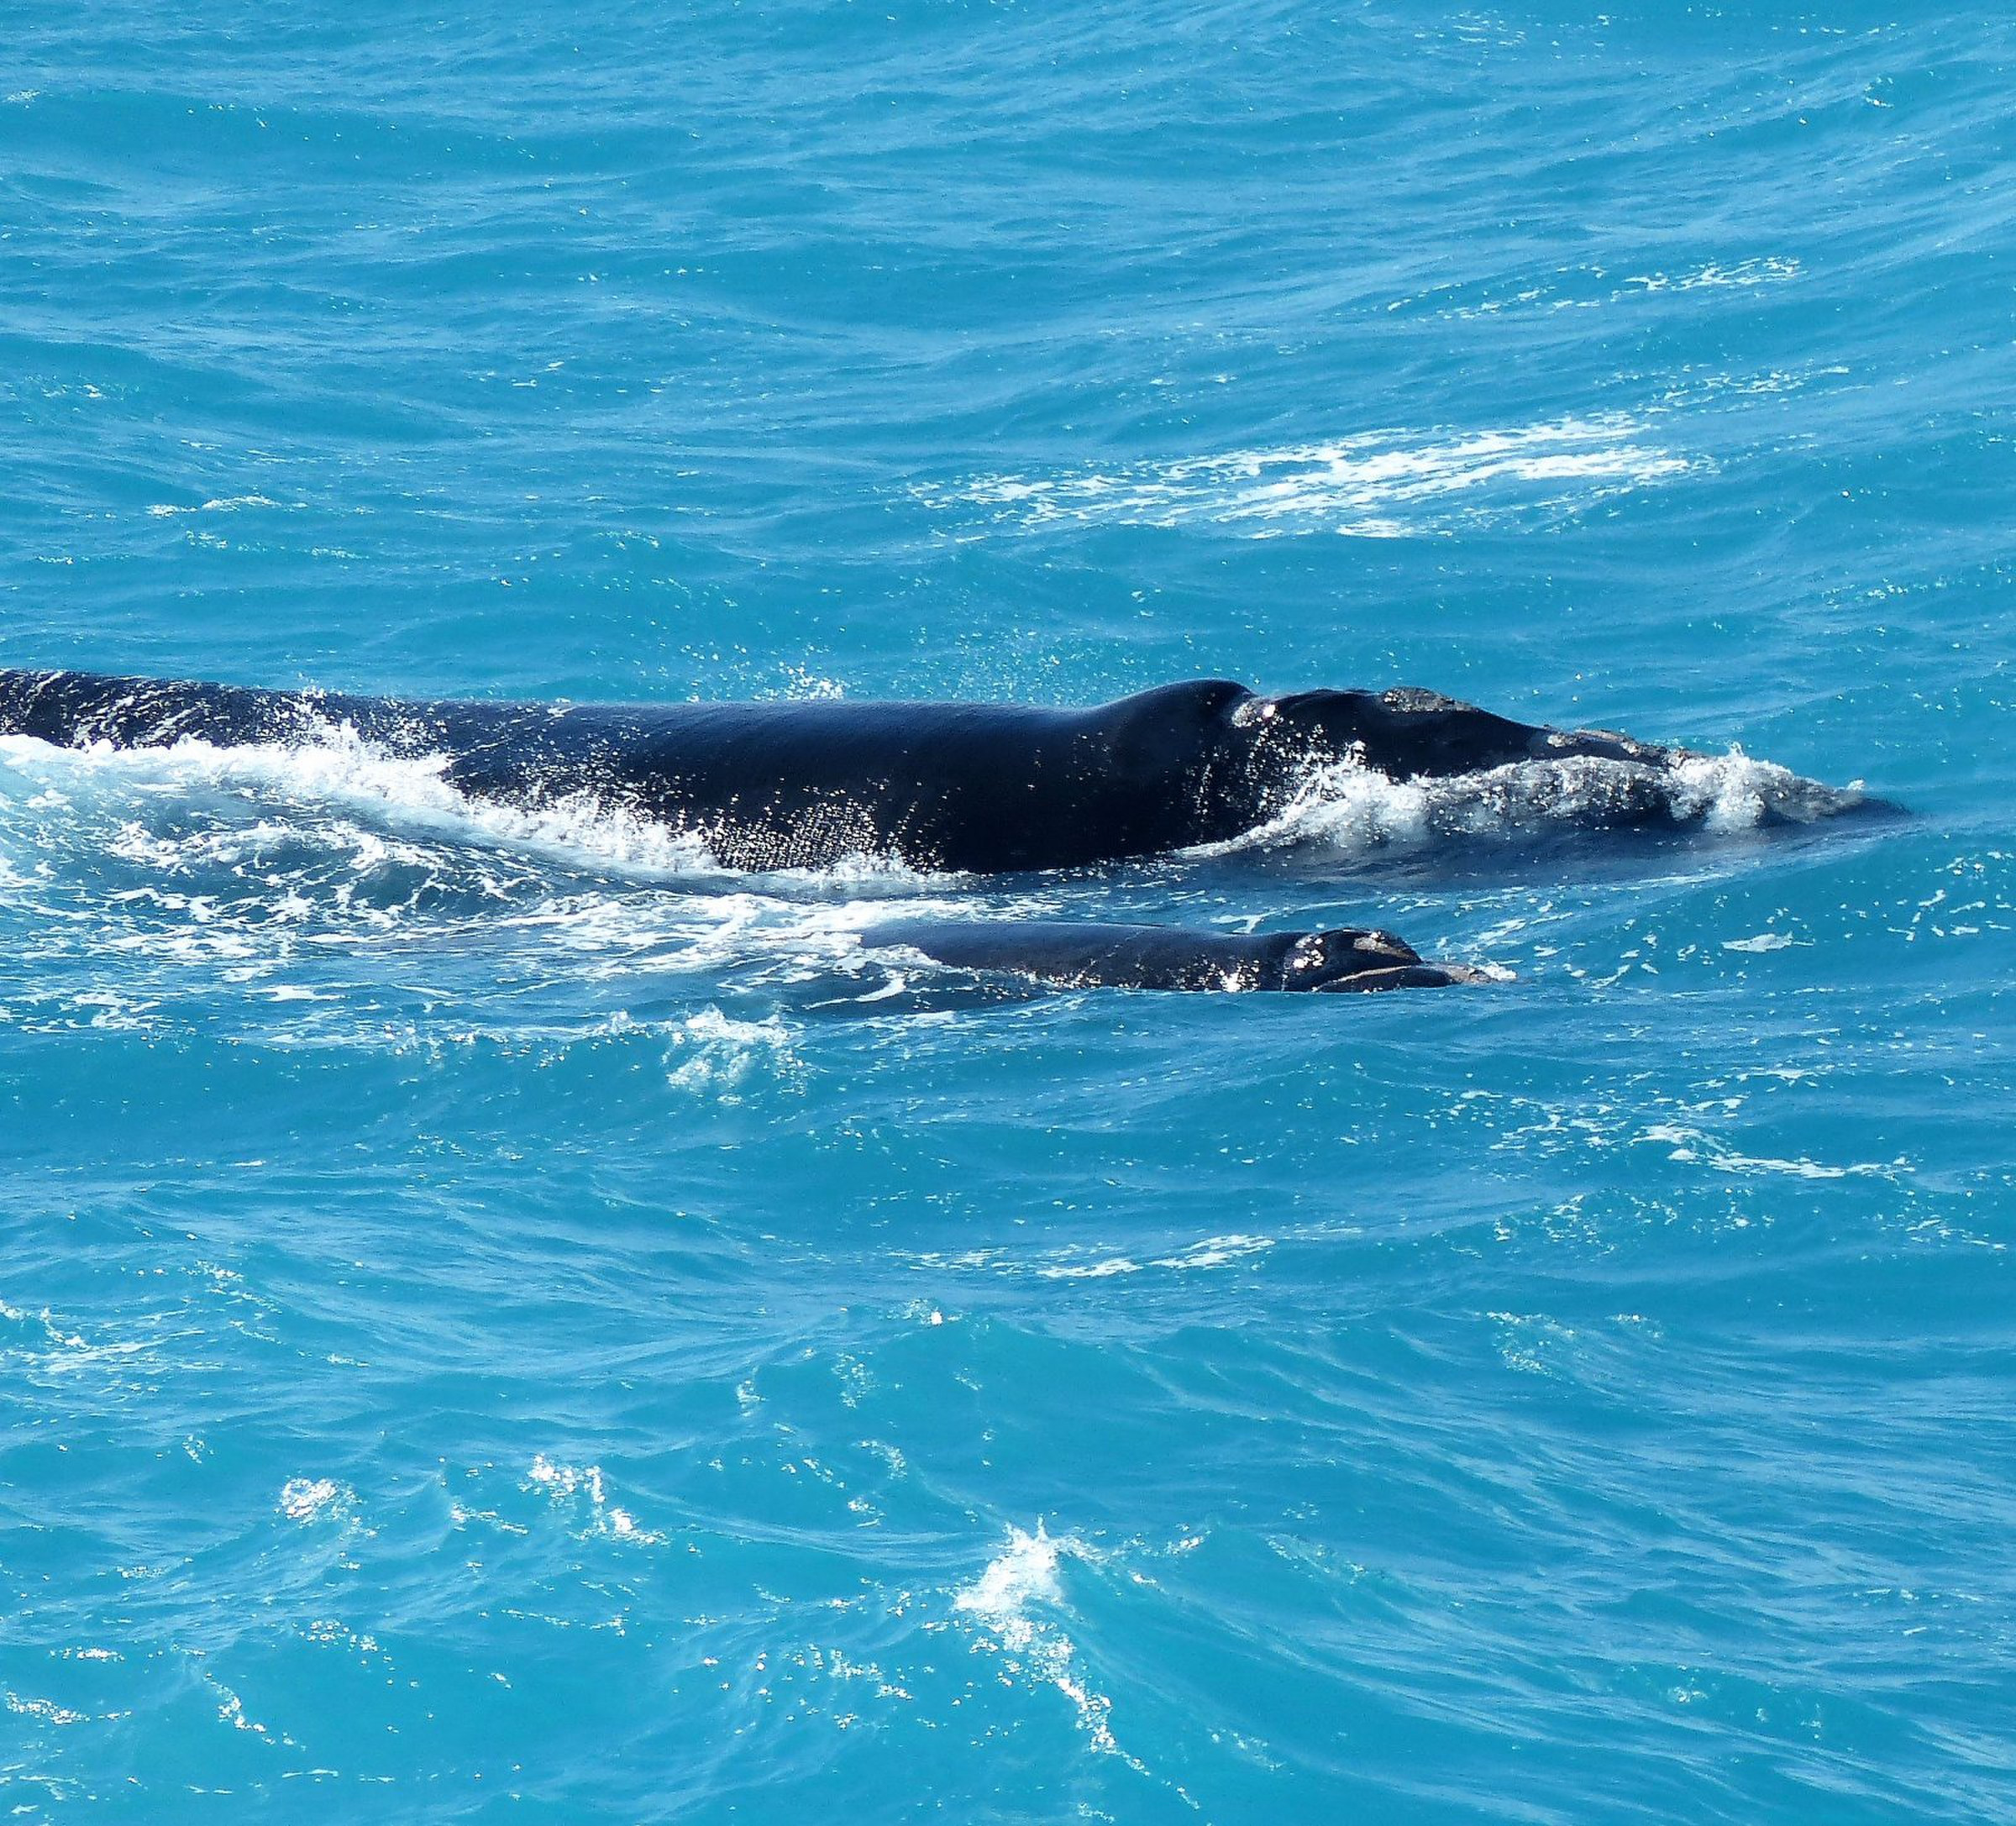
{"points": [[966, 788], [1075, 955]]}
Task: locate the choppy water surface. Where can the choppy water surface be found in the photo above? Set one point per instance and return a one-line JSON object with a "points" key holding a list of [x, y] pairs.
{"points": [[501, 1318]]}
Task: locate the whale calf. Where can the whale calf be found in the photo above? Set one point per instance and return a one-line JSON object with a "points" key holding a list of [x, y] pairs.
{"points": [[1074, 954], [964, 787]]}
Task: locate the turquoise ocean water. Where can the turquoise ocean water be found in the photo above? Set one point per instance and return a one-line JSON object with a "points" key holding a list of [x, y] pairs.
{"points": [[498, 1320]]}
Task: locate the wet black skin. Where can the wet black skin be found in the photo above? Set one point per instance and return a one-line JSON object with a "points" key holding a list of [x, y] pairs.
{"points": [[971, 788], [1086, 955]]}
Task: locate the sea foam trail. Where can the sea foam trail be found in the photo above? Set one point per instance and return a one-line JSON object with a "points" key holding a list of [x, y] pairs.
{"points": [[341, 771], [1376, 484]]}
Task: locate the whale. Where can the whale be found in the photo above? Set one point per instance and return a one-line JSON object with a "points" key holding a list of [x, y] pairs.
{"points": [[1082, 954], [963, 787], [983, 788]]}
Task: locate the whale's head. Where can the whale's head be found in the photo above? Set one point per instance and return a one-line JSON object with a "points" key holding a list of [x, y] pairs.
{"points": [[1346, 958]]}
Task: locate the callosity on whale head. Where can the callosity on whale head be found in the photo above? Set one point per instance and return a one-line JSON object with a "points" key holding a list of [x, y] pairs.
{"points": [[1346, 958]]}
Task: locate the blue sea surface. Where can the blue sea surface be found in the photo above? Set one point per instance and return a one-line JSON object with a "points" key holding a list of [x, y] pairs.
{"points": [[500, 1320]]}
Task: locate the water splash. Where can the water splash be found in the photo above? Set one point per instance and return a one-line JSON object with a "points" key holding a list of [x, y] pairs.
{"points": [[1347, 809], [1009, 1600]]}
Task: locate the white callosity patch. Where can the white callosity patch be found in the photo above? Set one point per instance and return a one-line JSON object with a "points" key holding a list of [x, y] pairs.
{"points": [[1380, 484]]}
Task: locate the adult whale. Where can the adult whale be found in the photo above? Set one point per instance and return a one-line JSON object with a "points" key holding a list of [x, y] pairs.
{"points": [[979, 787]]}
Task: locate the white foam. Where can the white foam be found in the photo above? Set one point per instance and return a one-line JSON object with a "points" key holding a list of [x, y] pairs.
{"points": [[715, 1052], [1531, 1342], [1103, 1269], [245, 856], [1381, 485], [1770, 269], [1349, 808], [316, 1499], [1592, 288], [569, 1485], [45, 1709], [340, 769], [1208, 1252], [224, 504], [1007, 1599], [1690, 1145], [1216, 1251], [1024, 1572], [287, 870]]}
